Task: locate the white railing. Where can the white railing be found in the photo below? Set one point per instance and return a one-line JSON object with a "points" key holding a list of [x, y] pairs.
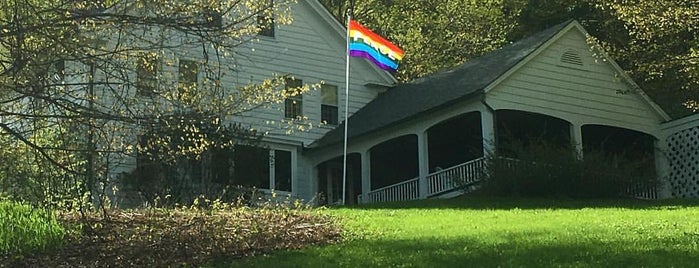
{"points": [[643, 191], [437, 183], [405, 190], [460, 175]]}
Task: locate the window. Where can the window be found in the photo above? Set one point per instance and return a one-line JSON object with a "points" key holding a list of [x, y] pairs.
{"points": [[59, 70], [188, 76], [147, 74], [293, 104], [265, 20], [251, 166], [282, 170], [211, 19], [220, 165], [146, 167], [328, 107]]}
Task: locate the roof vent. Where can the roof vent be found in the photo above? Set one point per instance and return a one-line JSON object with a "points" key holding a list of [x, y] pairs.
{"points": [[571, 56]]}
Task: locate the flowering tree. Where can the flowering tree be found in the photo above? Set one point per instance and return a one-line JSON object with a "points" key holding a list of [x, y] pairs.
{"points": [[79, 77]]}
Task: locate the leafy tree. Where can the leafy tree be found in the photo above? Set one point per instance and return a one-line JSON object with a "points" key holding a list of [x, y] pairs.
{"points": [[663, 49], [79, 78], [435, 34]]}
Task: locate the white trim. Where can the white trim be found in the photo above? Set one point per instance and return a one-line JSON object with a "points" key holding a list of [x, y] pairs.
{"points": [[680, 122], [272, 166]]}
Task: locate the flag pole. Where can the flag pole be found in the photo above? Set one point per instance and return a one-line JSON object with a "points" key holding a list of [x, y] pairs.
{"points": [[347, 84]]}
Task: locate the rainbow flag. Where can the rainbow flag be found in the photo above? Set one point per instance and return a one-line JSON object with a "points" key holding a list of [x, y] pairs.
{"points": [[369, 45]]}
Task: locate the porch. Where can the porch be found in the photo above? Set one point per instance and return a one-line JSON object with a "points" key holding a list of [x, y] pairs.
{"points": [[448, 157]]}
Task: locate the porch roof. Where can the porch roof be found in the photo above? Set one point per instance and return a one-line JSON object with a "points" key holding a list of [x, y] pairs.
{"points": [[407, 100]]}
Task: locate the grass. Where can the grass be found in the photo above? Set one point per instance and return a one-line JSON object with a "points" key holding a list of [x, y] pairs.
{"points": [[483, 232], [26, 229]]}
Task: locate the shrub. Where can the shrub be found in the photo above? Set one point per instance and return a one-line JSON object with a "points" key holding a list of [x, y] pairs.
{"points": [[26, 229], [544, 170]]}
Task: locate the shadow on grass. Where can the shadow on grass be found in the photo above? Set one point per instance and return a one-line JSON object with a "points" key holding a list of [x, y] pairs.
{"points": [[506, 203], [513, 251]]}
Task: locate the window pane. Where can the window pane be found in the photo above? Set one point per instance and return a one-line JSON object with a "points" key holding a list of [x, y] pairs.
{"points": [[221, 166], [265, 20], [328, 108], [292, 86], [212, 18], [328, 114], [188, 75], [293, 108], [282, 170], [328, 94], [251, 166], [147, 74], [293, 105], [266, 25]]}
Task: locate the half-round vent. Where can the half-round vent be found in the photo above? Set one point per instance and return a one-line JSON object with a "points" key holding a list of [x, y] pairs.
{"points": [[571, 56]]}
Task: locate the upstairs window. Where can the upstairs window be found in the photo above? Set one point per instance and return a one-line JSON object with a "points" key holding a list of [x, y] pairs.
{"points": [[265, 20], [293, 104], [211, 19], [58, 69], [328, 106], [147, 74], [188, 76]]}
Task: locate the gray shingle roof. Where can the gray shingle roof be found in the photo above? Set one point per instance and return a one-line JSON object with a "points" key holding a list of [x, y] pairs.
{"points": [[405, 101]]}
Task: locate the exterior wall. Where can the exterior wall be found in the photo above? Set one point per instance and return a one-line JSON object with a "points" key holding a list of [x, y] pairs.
{"points": [[310, 49], [590, 93], [314, 52]]}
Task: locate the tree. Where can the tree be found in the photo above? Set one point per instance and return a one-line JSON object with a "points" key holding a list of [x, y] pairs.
{"points": [[435, 34], [663, 49], [78, 78]]}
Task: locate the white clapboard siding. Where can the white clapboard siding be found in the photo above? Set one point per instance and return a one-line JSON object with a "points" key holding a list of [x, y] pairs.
{"points": [[312, 51], [591, 93]]}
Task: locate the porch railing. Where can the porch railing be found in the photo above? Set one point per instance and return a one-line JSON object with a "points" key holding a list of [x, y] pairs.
{"points": [[437, 183], [405, 190], [643, 191], [460, 175]]}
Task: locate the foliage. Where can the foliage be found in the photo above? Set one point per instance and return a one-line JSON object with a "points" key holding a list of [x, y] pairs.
{"points": [[434, 34], [662, 50], [656, 42], [500, 232], [24, 229], [173, 153], [543, 170], [184, 237]]}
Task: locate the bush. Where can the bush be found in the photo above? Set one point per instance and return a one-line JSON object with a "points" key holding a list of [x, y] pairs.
{"points": [[26, 229], [543, 170]]}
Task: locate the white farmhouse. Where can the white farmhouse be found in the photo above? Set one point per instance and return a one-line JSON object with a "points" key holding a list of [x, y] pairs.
{"points": [[407, 140]]}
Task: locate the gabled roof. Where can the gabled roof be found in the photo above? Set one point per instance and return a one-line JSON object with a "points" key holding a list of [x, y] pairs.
{"points": [[407, 100]]}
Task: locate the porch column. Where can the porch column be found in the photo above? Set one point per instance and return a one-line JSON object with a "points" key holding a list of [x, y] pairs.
{"points": [[662, 168], [488, 131], [423, 163], [366, 175], [576, 139]]}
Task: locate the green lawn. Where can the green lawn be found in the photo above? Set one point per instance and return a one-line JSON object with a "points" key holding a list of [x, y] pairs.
{"points": [[478, 232]]}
